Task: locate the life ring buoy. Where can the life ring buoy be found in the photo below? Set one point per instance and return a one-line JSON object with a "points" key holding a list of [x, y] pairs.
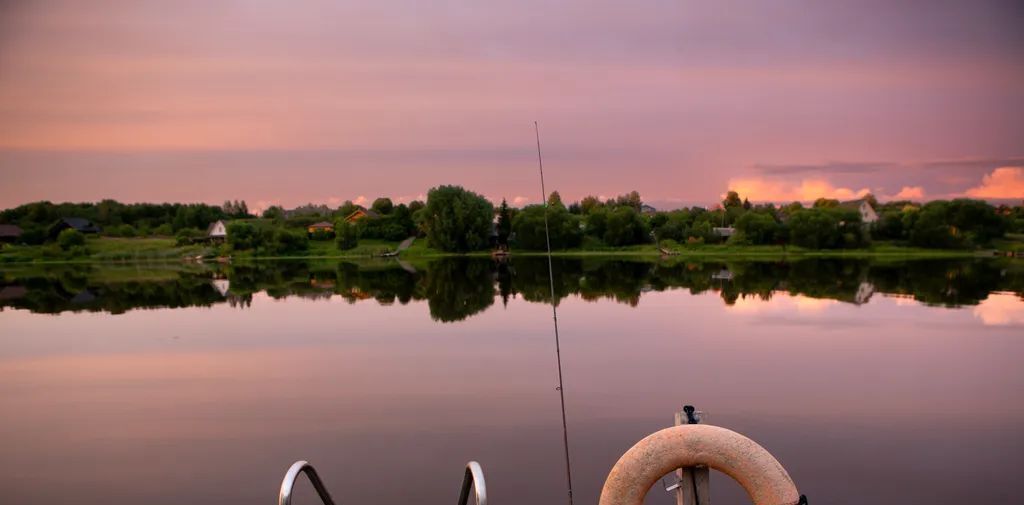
{"points": [[735, 455]]}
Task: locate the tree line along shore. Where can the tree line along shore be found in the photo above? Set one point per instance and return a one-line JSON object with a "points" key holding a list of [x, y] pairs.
{"points": [[454, 220]]}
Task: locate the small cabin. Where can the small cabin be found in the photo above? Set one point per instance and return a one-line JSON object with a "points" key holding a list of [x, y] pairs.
{"points": [[218, 230], [79, 224], [361, 214], [724, 231], [321, 227], [10, 233]]}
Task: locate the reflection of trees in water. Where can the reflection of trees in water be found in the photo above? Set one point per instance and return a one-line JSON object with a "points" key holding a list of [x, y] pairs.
{"points": [[456, 288], [386, 285], [81, 289]]}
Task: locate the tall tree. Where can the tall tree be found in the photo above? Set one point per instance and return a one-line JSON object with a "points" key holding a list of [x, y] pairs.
{"points": [[732, 199], [590, 203], [529, 228], [631, 199], [504, 222], [555, 200], [383, 205], [625, 227], [274, 212], [457, 220]]}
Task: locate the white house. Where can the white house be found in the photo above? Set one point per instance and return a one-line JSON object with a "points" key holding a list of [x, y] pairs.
{"points": [[867, 212], [217, 230], [221, 285], [864, 292]]}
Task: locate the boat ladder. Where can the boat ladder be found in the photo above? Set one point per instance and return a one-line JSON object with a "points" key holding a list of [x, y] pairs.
{"points": [[473, 480]]}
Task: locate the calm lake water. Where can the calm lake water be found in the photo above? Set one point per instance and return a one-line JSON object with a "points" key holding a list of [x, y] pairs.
{"points": [[872, 382]]}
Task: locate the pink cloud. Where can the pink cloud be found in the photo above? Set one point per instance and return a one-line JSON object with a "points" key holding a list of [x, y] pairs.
{"points": [[1003, 182], [773, 190], [910, 193], [1000, 309]]}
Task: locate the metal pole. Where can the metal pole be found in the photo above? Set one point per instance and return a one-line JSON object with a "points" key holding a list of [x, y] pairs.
{"points": [[554, 314]]}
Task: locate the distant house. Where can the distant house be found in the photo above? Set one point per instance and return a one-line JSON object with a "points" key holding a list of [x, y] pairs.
{"points": [[648, 209], [864, 292], [218, 230], [867, 212], [221, 285], [322, 227], [724, 231], [79, 224], [361, 214], [10, 233], [12, 293]]}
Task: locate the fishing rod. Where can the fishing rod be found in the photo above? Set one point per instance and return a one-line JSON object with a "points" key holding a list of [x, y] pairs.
{"points": [[554, 314]]}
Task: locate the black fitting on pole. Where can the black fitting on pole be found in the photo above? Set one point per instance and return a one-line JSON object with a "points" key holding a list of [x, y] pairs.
{"points": [[691, 417]]}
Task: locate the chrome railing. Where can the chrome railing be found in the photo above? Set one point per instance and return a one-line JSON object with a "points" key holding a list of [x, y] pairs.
{"points": [[473, 479], [288, 484]]}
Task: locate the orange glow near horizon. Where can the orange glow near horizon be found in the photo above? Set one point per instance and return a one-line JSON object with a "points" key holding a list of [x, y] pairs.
{"points": [[387, 98]]}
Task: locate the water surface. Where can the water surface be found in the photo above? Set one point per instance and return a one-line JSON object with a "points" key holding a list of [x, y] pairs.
{"points": [[880, 382]]}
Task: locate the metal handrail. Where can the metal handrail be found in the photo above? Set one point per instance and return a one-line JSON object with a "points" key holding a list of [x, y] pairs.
{"points": [[474, 478], [287, 485]]}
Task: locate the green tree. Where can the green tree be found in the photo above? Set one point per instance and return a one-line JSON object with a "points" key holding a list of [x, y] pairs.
{"points": [[242, 236], [826, 228], [732, 199], [756, 228], [124, 230], [346, 209], [792, 207], [957, 223], [871, 199], [590, 203], [284, 241], [625, 227], [977, 220], [826, 203], [402, 216], [383, 205], [528, 225], [186, 236], [457, 220], [631, 200], [932, 229], [596, 222], [274, 212], [70, 238], [555, 200], [384, 228], [676, 225], [347, 235], [889, 225], [504, 222]]}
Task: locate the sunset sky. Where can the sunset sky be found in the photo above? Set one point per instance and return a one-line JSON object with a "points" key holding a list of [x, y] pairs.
{"points": [[281, 102]]}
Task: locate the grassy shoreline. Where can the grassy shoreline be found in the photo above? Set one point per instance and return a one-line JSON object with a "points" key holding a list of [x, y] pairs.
{"points": [[163, 250]]}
